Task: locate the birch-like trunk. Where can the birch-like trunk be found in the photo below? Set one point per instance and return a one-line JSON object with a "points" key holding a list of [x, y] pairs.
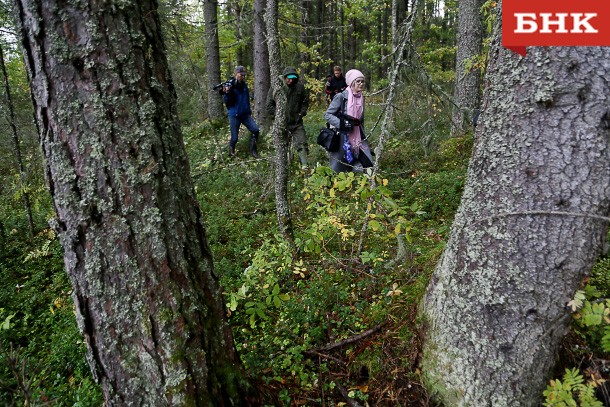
{"points": [[147, 300], [532, 222], [278, 131]]}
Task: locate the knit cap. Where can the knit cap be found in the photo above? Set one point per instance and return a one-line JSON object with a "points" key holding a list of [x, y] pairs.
{"points": [[290, 72], [352, 75]]}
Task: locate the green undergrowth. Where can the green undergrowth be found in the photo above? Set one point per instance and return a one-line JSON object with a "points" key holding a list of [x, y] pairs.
{"points": [[42, 354], [338, 309], [586, 350]]}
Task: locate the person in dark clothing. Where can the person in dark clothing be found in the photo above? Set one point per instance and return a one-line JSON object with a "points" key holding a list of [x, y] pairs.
{"points": [[297, 103], [237, 99], [336, 84], [327, 91]]}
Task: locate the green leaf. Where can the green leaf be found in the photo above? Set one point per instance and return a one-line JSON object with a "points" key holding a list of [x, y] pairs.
{"points": [[7, 322], [260, 313], [233, 304], [374, 225], [606, 339], [592, 319]]}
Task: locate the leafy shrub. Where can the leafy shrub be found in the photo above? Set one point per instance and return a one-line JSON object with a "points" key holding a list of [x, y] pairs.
{"points": [[41, 349]]}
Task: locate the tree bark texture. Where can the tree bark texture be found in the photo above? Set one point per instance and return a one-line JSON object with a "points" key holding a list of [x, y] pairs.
{"points": [[212, 59], [467, 90], [147, 300], [278, 130], [262, 80], [532, 222]]}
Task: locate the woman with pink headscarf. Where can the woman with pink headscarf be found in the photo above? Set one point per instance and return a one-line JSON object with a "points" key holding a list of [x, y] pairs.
{"points": [[346, 114]]}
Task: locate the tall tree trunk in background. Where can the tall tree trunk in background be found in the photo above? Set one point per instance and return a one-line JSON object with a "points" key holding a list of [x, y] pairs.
{"points": [[467, 90], [212, 55], [394, 17], [319, 12], [147, 300], [351, 45], [238, 34], [8, 100], [532, 222], [383, 39], [304, 58], [332, 35], [342, 34], [278, 131], [261, 63]]}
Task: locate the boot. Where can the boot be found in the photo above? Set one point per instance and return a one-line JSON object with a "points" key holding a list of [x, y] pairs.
{"points": [[231, 151], [303, 158], [253, 147]]}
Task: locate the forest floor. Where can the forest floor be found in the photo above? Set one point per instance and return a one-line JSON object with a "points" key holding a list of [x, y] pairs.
{"points": [[329, 324]]}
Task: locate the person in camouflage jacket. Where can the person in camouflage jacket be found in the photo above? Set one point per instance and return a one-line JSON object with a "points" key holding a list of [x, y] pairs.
{"points": [[297, 103]]}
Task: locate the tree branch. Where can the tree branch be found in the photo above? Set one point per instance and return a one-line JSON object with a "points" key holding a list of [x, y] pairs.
{"points": [[354, 338]]}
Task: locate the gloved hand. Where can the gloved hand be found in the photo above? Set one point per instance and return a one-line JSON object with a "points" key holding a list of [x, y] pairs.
{"points": [[346, 125], [354, 121]]}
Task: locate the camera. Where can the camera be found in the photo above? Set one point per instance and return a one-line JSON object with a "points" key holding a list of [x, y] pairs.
{"points": [[229, 82]]}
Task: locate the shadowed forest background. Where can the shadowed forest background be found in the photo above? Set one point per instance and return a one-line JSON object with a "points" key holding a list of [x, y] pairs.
{"points": [[331, 318]]}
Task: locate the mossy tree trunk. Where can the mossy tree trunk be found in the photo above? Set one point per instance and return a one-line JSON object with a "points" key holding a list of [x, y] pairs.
{"points": [[147, 300], [532, 222], [278, 128]]}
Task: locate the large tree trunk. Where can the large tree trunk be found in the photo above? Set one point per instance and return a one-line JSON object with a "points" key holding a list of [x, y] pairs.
{"points": [[532, 221], [146, 297], [262, 79], [467, 90], [212, 59]]}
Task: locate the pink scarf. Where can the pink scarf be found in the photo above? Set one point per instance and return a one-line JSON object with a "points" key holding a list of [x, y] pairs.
{"points": [[355, 107]]}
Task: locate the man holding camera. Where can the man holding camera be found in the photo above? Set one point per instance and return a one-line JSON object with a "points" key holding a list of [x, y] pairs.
{"points": [[237, 99]]}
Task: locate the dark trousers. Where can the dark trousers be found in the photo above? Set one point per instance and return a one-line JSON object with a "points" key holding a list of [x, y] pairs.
{"points": [[236, 121]]}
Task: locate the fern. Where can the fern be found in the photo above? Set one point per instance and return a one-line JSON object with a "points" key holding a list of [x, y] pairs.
{"points": [[573, 391]]}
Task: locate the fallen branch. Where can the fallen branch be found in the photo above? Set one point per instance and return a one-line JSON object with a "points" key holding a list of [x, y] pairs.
{"points": [[346, 396], [354, 338], [314, 353]]}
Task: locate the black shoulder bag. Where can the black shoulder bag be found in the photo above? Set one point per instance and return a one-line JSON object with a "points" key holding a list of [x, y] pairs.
{"points": [[329, 138]]}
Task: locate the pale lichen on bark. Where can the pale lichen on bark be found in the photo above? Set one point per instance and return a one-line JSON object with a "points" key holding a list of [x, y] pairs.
{"points": [[525, 233], [135, 249]]}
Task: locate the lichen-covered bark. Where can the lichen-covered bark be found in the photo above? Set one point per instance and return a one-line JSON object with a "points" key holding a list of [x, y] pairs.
{"points": [[531, 223], [278, 130], [146, 298], [467, 80]]}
